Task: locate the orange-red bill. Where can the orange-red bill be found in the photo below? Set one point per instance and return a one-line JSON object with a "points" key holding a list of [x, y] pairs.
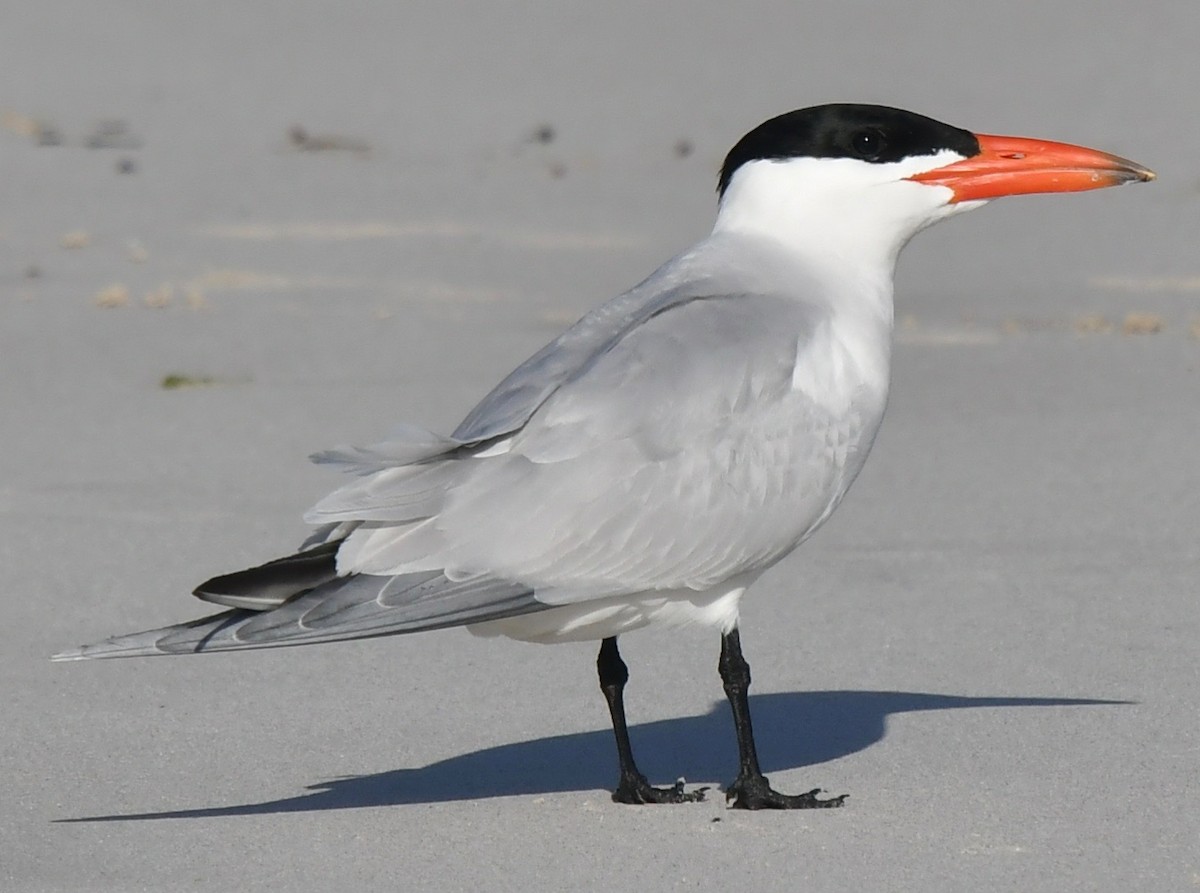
{"points": [[1013, 165]]}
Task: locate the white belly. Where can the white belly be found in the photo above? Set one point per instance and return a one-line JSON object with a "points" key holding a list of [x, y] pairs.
{"points": [[615, 615]]}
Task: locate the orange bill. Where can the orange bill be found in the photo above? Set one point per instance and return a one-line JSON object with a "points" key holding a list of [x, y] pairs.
{"points": [[1013, 165]]}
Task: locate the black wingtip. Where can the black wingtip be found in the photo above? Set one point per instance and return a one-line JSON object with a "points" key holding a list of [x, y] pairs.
{"points": [[272, 584]]}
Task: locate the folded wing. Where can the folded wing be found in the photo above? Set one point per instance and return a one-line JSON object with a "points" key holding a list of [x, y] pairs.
{"points": [[356, 607]]}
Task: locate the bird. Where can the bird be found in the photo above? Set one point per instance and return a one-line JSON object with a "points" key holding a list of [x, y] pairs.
{"points": [[646, 466]]}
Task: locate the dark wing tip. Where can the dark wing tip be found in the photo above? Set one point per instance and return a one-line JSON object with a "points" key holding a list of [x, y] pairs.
{"points": [[274, 583]]}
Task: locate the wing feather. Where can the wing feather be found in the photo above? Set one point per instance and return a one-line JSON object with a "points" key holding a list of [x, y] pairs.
{"points": [[683, 456], [349, 608]]}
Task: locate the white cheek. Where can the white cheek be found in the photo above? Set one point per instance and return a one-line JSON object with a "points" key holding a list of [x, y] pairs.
{"points": [[839, 208]]}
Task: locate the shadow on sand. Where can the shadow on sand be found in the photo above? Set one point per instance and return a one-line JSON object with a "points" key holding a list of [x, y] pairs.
{"points": [[793, 730]]}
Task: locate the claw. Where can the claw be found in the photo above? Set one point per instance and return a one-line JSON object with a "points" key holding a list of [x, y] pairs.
{"points": [[757, 793], [637, 790]]}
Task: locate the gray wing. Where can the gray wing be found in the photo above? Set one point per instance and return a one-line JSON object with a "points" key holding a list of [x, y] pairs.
{"points": [[680, 455], [406, 474], [356, 607], [511, 403]]}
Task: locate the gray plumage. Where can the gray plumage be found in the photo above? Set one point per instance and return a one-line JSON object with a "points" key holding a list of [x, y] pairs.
{"points": [[356, 607], [661, 445]]}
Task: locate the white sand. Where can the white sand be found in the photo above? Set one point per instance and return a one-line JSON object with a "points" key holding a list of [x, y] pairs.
{"points": [[1026, 528]]}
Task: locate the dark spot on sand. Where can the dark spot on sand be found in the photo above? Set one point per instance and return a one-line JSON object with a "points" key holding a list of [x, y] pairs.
{"points": [[112, 133], [300, 139]]}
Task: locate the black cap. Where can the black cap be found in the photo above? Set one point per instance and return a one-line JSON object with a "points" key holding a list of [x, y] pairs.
{"points": [[872, 133]]}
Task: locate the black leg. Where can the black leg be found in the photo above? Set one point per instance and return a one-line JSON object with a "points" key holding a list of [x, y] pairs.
{"points": [[750, 790], [633, 787]]}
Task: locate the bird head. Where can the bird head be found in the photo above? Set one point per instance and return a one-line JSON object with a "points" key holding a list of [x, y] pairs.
{"points": [[858, 181]]}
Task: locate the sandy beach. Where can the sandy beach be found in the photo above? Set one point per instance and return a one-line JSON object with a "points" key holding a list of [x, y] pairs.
{"points": [[234, 234]]}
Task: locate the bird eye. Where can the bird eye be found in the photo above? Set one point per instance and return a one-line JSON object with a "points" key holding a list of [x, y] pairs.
{"points": [[868, 144]]}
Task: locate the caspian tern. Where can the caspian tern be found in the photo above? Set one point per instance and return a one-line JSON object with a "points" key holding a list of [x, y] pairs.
{"points": [[647, 465]]}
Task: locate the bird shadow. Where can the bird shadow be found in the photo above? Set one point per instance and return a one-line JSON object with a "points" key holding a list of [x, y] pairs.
{"points": [[793, 730]]}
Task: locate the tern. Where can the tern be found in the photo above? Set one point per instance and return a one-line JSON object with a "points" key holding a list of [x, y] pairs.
{"points": [[650, 463]]}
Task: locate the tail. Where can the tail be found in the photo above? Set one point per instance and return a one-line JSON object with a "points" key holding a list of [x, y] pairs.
{"points": [[301, 599], [356, 607]]}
